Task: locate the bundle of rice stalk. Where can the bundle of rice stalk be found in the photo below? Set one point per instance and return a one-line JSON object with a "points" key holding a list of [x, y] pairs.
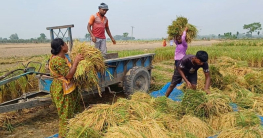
{"points": [[86, 75], [253, 132], [148, 128], [246, 103], [141, 97], [169, 121], [140, 110], [178, 26], [224, 121], [254, 82], [217, 104], [258, 105], [217, 77], [93, 118], [191, 33], [191, 100], [100, 117], [195, 126], [246, 118], [165, 105], [123, 132], [201, 105]]}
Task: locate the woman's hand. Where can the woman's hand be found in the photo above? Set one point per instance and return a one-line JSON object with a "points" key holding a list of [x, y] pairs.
{"points": [[78, 58]]}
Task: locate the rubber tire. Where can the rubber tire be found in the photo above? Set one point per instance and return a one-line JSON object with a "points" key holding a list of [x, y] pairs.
{"points": [[130, 78]]}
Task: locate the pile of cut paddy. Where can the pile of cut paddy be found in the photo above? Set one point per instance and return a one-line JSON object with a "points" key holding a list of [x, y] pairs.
{"points": [[142, 116]]}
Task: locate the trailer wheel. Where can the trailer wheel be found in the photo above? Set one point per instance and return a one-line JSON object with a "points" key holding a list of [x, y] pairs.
{"points": [[136, 79]]}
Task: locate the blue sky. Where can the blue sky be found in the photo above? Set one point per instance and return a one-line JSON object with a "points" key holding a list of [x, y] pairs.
{"points": [[29, 18]]}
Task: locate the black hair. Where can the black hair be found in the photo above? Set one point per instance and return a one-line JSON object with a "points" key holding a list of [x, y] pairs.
{"points": [[202, 55], [56, 45], [102, 4]]}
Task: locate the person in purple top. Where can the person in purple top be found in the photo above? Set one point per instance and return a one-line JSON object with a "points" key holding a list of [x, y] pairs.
{"points": [[181, 46], [186, 69]]}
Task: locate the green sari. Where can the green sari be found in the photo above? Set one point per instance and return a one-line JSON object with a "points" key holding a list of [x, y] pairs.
{"points": [[67, 104]]}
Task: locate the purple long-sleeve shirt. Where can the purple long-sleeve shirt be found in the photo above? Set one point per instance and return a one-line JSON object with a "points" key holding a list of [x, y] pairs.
{"points": [[180, 50]]}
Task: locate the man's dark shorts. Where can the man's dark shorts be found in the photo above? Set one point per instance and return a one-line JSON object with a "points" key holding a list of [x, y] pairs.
{"points": [[176, 79]]}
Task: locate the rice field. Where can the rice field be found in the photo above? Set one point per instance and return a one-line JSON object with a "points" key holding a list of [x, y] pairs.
{"points": [[236, 78]]}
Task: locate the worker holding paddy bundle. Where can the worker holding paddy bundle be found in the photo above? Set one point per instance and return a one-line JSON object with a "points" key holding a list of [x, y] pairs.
{"points": [[181, 46], [99, 23], [182, 32], [186, 69], [63, 90]]}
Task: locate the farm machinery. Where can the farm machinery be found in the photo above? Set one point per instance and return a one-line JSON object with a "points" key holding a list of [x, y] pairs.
{"points": [[133, 73]]}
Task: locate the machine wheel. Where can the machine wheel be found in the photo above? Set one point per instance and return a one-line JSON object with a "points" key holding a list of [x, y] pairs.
{"points": [[137, 79]]}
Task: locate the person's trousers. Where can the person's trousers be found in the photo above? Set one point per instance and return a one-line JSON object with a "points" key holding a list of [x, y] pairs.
{"points": [[101, 45]]}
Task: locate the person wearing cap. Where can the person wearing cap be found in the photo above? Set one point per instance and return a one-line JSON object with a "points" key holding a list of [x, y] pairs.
{"points": [[186, 69], [99, 23]]}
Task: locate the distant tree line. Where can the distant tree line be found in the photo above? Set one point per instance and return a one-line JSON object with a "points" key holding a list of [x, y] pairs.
{"points": [[251, 28], [15, 39]]}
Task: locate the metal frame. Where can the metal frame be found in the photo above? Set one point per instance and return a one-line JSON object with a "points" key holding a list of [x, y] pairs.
{"points": [[68, 30]]}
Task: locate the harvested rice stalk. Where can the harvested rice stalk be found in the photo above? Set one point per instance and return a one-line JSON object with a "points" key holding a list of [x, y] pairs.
{"points": [[139, 129], [191, 100], [178, 26], [217, 104], [86, 75], [201, 105], [246, 118], [101, 117], [224, 121], [217, 79], [87, 133], [194, 126], [258, 105], [253, 132], [123, 132], [165, 105], [94, 118], [141, 97], [140, 110], [254, 82], [245, 102]]}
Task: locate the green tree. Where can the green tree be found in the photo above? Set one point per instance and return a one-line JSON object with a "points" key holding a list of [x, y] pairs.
{"points": [[14, 37], [42, 36], [258, 32], [252, 27], [237, 33], [87, 36], [125, 35]]}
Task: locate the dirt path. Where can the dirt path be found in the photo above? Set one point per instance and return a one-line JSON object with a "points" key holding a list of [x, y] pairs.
{"points": [[12, 50]]}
